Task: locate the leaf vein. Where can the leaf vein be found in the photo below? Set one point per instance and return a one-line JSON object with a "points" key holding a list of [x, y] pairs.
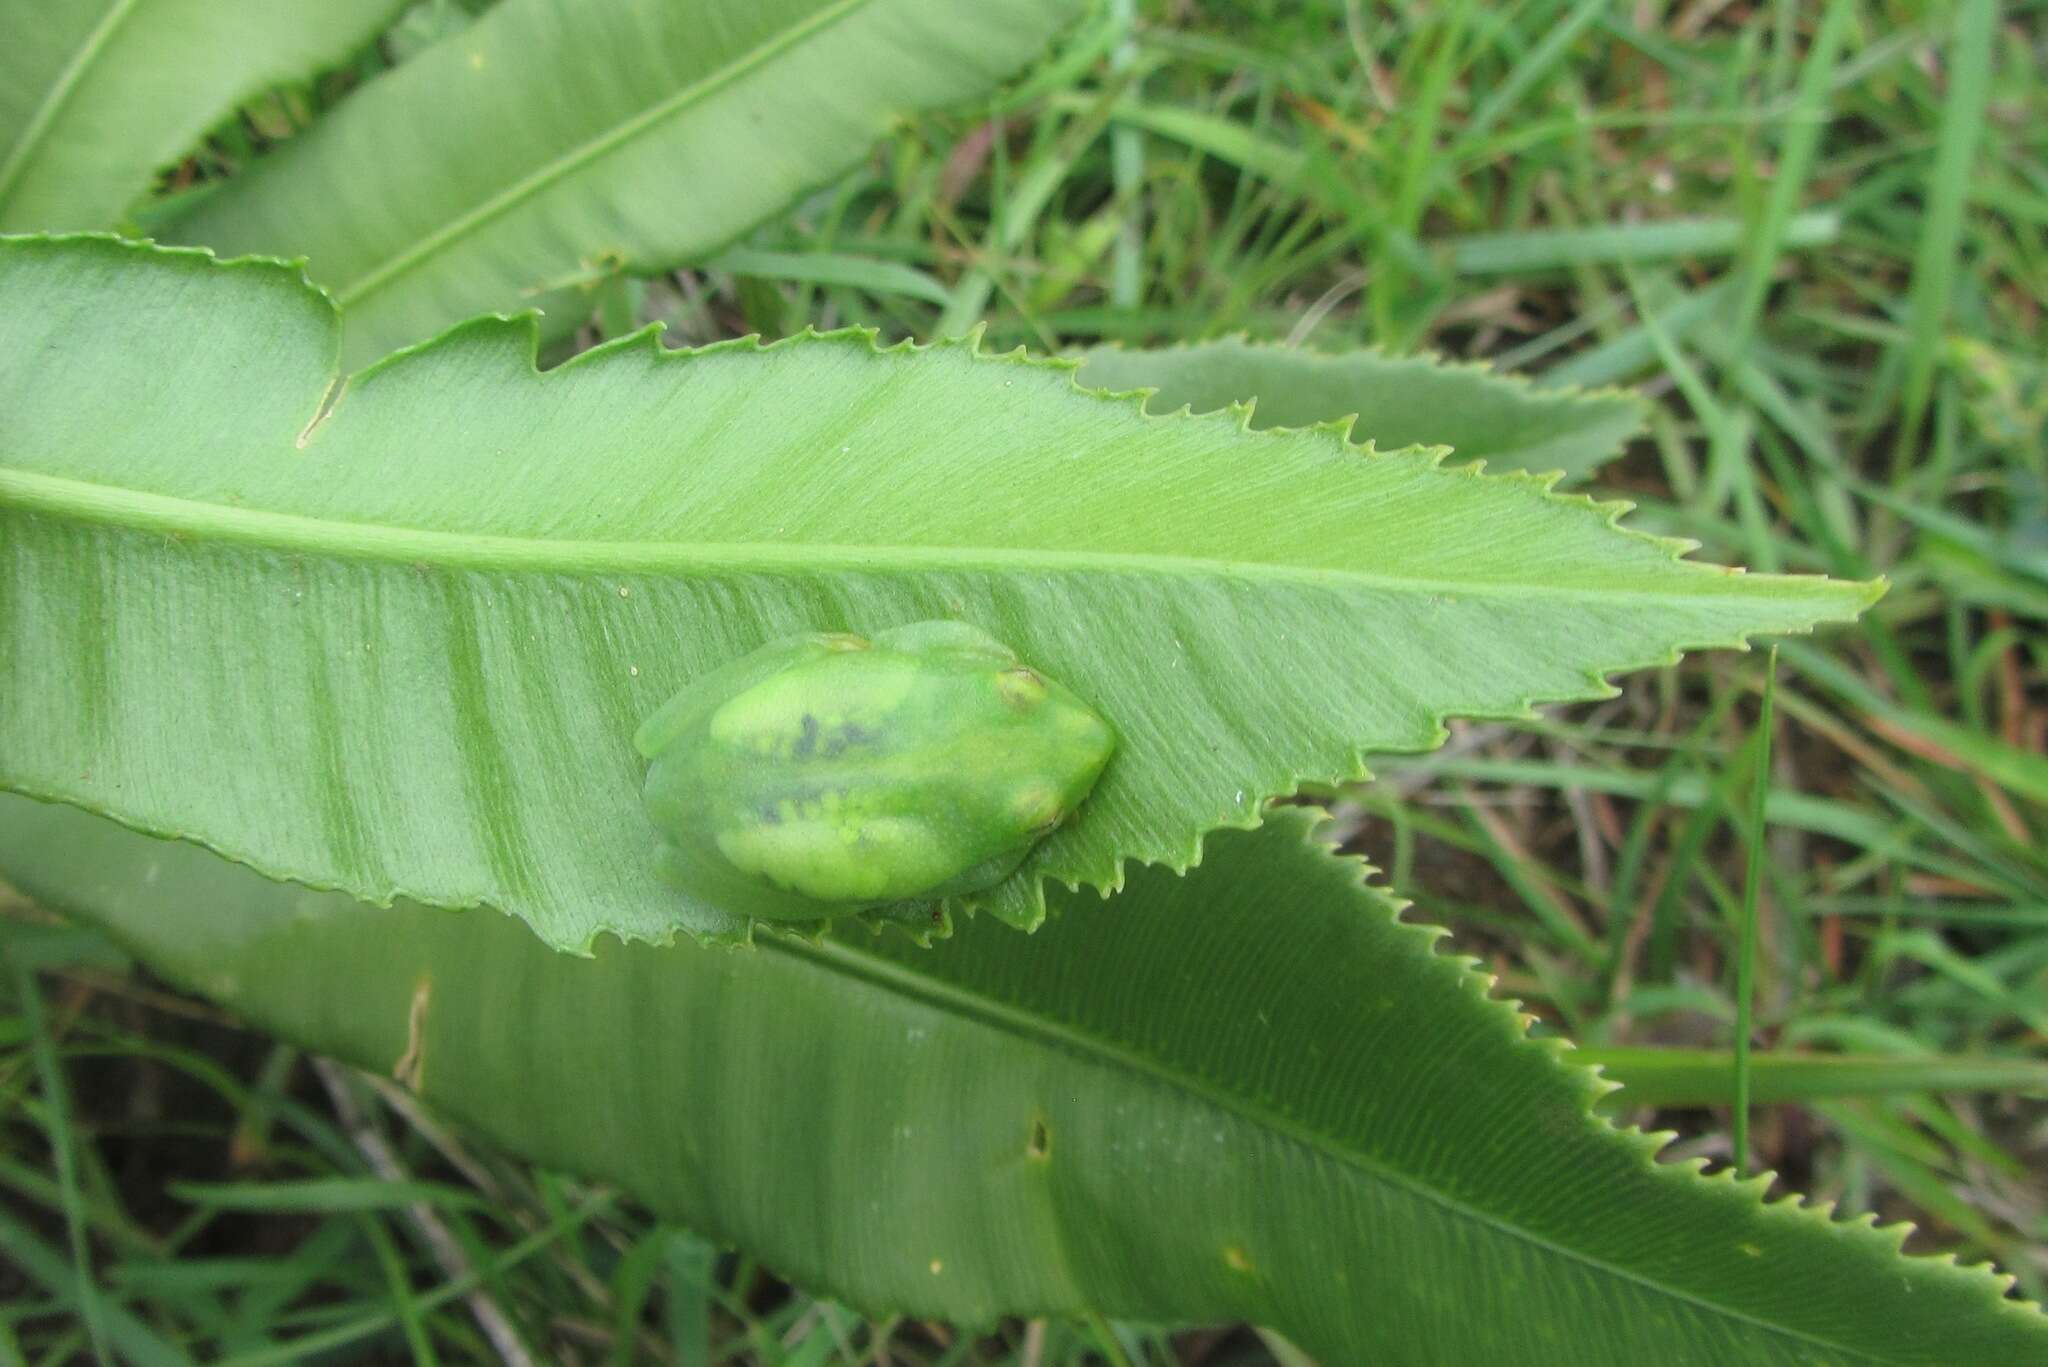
{"points": [[1003, 1016], [293, 533], [577, 157], [60, 94]]}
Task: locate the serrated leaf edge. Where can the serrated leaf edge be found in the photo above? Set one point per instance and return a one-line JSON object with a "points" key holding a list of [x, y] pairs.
{"points": [[1593, 1084], [1571, 395], [523, 326]]}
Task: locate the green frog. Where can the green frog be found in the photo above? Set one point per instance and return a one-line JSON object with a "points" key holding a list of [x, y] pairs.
{"points": [[825, 774]]}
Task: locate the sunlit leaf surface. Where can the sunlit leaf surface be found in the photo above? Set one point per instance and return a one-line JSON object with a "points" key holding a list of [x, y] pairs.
{"points": [[393, 635], [1157, 1109]]}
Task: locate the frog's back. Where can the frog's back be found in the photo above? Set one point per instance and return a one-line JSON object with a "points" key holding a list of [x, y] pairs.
{"points": [[868, 774]]}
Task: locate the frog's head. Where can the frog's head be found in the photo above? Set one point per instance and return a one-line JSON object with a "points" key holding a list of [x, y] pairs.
{"points": [[1057, 747]]}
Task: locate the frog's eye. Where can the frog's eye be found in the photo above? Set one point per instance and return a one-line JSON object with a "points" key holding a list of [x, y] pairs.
{"points": [[1022, 688], [1036, 809]]}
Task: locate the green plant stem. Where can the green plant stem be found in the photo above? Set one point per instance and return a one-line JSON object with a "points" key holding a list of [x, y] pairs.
{"points": [[1752, 881]]}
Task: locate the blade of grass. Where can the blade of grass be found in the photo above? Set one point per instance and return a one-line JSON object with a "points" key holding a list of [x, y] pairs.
{"points": [[1795, 163], [137, 1342], [1532, 68], [307, 1346], [324, 1195], [690, 1265], [1947, 195], [1417, 172], [2009, 766], [1225, 139], [1752, 883], [1528, 878], [1676, 314], [1703, 1077], [1069, 67], [1020, 213], [398, 1283], [1127, 171], [1541, 249], [831, 268], [262, 1305], [58, 1108]]}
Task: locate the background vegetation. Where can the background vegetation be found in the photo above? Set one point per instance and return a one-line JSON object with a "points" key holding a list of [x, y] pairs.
{"points": [[1816, 235]]}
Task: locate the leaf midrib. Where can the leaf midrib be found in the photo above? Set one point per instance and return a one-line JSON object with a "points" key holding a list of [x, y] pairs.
{"points": [[59, 95], [948, 997], [293, 533], [586, 152]]}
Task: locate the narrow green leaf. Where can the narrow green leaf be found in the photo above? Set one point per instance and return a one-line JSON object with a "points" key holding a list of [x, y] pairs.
{"points": [[97, 95], [63, 1153], [554, 141], [393, 635], [1530, 69], [1555, 248], [1398, 400], [189, 1277], [1163, 1112], [1702, 1077], [309, 1347], [1127, 170], [1801, 811], [2013, 767], [322, 1195], [1809, 119], [404, 1305], [1676, 315], [1756, 851], [1228, 140], [1021, 204], [37, 1262], [1948, 187], [831, 268]]}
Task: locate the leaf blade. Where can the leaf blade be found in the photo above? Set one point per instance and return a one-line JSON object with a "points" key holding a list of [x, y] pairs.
{"points": [[96, 97], [1325, 1134], [410, 622], [1399, 400], [552, 139]]}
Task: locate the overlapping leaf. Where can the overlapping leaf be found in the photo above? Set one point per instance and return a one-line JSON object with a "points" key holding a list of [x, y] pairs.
{"points": [[555, 140], [393, 635], [1164, 1112], [1397, 400], [97, 95]]}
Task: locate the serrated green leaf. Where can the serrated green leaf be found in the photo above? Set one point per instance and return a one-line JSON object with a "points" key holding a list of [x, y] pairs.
{"points": [[96, 96], [393, 635], [553, 141], [1397, 400], [1161, 1112]]}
